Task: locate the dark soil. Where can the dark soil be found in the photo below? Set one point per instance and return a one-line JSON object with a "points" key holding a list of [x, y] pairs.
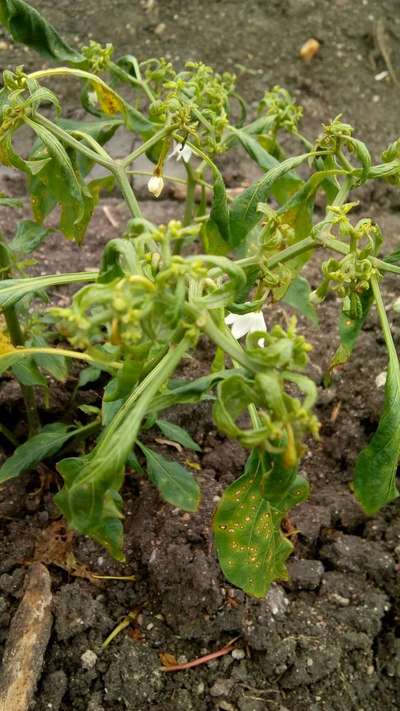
{"points": [[330, 638]]}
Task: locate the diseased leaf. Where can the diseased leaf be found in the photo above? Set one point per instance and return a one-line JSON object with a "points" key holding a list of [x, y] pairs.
{"points": [[175, 483], [177, 434], [298, 296], [251, 547], [28, 27], [29, 454]]}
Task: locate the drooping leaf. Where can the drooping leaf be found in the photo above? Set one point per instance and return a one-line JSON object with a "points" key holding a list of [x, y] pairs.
{"points": [[28, 27], [29, 454], [90, 499], [349, 331], [28, 237], [175, 483], [217, 228], [252, 550], [284, 186], [177, 434], [376, 465], [298, 296], [244, 213]]}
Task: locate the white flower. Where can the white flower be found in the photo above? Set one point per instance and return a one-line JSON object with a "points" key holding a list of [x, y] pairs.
{"points": [[155, 185], [181, 152], [241, 324]]}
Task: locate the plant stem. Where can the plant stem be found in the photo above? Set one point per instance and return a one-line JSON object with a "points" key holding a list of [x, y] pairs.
{"points": [[383, 319], [17, 339], [126, 189], [146, 145], [189, 205]]}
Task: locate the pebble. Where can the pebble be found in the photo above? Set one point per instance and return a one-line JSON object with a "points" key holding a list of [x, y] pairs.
{"points": [[88, 659], [238, 654]]}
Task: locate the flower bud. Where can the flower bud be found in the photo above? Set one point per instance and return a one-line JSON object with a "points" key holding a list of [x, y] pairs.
{"points": [[155, 185]]}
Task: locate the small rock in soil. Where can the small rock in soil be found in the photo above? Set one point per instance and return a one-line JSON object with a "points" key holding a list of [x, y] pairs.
{"points": [[221, 687], [89, 659], [305, 574], [12, 584]]}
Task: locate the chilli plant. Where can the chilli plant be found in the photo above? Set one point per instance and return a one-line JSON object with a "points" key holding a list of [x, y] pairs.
{"points": [[159, 288]]}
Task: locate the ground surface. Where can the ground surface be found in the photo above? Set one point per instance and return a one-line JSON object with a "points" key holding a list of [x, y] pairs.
{"points": [[329, 639]]}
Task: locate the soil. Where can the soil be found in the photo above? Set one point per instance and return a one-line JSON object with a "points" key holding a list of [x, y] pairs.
{"points": [[327, 640]]}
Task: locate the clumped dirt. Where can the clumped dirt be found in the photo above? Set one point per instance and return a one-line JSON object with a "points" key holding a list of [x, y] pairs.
{"points": [[329, 639]]}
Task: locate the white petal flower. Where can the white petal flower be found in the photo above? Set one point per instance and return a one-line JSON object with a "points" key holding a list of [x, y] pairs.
{"points": [[181, 152], [155, 185], [241, 324]]}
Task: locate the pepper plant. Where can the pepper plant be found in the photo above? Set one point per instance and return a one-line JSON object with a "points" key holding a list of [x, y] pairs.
{"points": [[159, 288]]}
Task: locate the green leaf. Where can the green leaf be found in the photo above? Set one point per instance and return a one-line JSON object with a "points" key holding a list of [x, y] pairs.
{"points": [[244, 213], [56, 365], [284, 186], [12, 290], [88, 375], [349, 331], [175, 483], [298, 296], [6, 201], [27, 373], [90, 499], [31, 453], [251, 547], [218, 226], [28, 27], [28, 237], [376, 466], [177, 434]]}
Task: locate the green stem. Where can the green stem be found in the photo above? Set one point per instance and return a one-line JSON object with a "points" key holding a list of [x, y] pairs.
{"points": [[17, 339], [190, 194], [146, 145], [223, 340], [128, 79], [383, 319], [9, 435], [127, 191]]}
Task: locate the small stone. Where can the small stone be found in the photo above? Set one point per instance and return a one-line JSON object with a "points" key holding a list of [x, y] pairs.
{"points": [[221, 687], [238, 654], [88, 659], [305, 574]]}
